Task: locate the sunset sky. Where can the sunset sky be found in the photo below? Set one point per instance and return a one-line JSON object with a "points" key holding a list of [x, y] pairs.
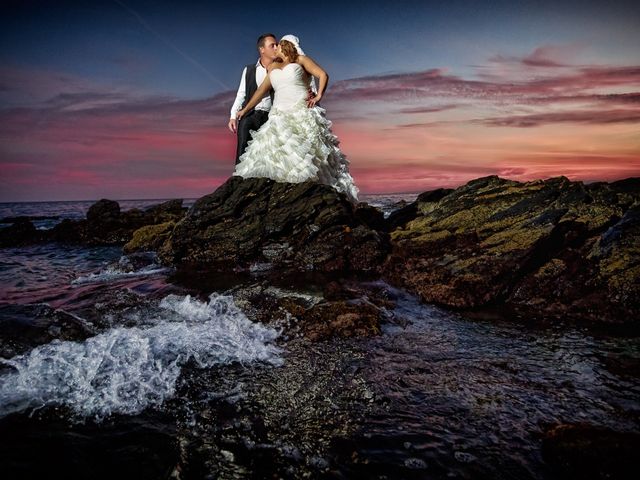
{"points": [[128, 99]]}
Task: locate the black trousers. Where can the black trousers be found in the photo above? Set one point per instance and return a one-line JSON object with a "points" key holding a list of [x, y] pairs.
{"points": [[251, 121]]}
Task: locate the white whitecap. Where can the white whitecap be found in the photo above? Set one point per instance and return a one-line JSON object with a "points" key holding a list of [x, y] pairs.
{"points": [[122, 269], [126, 370]]}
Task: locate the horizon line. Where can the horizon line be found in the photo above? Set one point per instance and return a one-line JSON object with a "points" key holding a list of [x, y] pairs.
{"points": [[363, 193]]}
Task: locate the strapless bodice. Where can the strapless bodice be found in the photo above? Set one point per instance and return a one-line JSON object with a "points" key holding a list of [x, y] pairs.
{"points": [[290, 85]]}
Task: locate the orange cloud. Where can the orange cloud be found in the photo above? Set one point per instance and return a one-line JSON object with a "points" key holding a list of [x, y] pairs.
{"points": [[401, 132]]}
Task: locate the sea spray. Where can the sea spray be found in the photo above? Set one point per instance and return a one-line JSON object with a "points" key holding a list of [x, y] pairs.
{"points": [[126, 370], [124, 268]]}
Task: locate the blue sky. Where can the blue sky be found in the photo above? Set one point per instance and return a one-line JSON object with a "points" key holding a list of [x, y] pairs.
{"points": [[192, 49]]}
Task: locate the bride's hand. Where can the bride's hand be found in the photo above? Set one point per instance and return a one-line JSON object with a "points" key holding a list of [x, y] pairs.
{"points": [[312, 102], [240, 114]]}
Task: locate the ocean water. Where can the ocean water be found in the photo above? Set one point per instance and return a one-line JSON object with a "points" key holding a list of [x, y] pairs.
{"points": [[121, 369], [102, 352]]}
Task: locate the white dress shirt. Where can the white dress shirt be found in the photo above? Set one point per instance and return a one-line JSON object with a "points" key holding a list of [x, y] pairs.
{"points": [[265, 103]]}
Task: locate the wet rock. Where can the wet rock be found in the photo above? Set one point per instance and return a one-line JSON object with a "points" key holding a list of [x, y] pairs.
{"points": [[272, 423], [104, 212], [272, 305], [149, 237], [171, 210], [106, 224], [20, 232], [347, 309], [591, 452], [547, 247], [23, 327], [69, 231], [114, 231], [356, 318], [301, 226], [374, 292], [370, 216], [407, 212]]}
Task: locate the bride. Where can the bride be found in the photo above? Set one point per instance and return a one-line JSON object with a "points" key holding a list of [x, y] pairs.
{"points": [[295, 144]]}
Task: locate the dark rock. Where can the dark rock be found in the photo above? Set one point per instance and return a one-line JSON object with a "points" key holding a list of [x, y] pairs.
{"points": [[23, 327], [302, 226], [105, 225], [627, 185], [275, 306], [171, 210], [402, 216], [21, 232], [433, 195], [376, 293], [359, 310], [69, 231], [549, 248], [584, 451], [104, 211], [342, 318], [372, 217]]}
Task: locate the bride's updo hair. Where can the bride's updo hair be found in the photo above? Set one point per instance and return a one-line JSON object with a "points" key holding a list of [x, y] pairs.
{"points": [[289, 49]]}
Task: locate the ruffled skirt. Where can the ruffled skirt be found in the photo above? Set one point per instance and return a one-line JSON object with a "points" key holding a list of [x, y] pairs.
{"points": [[295, 145]]}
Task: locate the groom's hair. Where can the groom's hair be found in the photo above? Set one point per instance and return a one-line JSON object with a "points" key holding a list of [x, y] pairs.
{"points": [[262, 38]]}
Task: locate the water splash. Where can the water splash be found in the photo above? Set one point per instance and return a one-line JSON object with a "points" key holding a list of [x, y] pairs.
{"points": [[126, 370], [124, 268]]}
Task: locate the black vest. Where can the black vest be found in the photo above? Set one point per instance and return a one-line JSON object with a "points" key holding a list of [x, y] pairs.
{"points": [[250, 85]]}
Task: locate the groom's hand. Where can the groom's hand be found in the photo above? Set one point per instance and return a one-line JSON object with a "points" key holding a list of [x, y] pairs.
{"points": [[233, 125]]}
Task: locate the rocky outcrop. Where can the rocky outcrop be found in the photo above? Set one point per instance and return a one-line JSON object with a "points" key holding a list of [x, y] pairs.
{"points": [[149, 237], [27, 326], [20, 232], [547, 247], [400, 217], [301, 226], [104, 224], [344, 308]]}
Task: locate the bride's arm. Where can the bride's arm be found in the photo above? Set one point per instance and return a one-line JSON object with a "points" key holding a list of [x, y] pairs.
{"points": [[265, 86], [317, 71]]}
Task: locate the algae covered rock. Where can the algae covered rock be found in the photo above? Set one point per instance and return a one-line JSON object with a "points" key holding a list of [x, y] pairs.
{"points": [[149, 237], [550, 247]]}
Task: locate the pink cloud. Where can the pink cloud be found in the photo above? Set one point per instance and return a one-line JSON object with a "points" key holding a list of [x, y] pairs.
{"points": [[582, 116], [401, 132]]}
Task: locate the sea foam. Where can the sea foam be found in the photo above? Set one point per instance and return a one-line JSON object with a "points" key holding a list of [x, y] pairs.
{"points": [[126, 370], [124, 268]]}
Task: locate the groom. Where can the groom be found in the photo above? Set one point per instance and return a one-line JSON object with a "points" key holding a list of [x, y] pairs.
{"points": [[252, 76]]}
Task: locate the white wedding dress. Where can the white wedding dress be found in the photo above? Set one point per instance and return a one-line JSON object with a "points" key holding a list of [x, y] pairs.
{"points": [[296, 144]]}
